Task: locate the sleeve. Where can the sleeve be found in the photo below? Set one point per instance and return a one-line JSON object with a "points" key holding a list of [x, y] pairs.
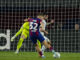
{"points": [[19, 32]]}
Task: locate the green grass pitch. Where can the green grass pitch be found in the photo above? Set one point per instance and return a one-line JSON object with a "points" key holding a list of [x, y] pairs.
{"points": [[34, 56]]}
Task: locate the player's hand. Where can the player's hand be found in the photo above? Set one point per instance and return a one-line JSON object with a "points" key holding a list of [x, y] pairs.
{"points": [[46, 32], [12, 39], [52, 21]]}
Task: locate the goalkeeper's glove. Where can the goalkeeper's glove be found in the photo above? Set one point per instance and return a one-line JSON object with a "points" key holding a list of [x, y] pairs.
{"points": [[12, 39]]}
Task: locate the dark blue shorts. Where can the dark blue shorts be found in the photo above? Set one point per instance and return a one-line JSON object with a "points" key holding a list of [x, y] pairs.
{"points": [[35, 37]]}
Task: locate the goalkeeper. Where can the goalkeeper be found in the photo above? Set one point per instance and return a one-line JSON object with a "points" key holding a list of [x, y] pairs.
{"points": [[24, 31]]}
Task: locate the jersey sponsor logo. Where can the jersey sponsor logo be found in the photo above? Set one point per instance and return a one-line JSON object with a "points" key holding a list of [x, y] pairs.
{"points": [[34, 20]]}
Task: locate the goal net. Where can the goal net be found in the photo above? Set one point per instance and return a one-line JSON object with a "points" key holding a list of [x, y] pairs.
{"points": [[64, 33]]}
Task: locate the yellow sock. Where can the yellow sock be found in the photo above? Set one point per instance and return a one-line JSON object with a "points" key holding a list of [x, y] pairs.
{"points": [[39, 43], [20, 43]]}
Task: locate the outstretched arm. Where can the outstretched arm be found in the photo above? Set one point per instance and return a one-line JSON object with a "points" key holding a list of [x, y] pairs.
{"points": [[42, 28], [52, 21], [18, 33]]}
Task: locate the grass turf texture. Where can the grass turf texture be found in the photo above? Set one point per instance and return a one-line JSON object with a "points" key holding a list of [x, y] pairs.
{"points": [[34, 56]]}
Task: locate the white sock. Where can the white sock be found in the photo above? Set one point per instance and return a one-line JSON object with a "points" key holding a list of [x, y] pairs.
{"points": [[17, 51], [43, 49]]}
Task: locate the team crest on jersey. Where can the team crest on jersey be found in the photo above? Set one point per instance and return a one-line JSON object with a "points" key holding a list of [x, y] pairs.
{"points": [[34, 20]]}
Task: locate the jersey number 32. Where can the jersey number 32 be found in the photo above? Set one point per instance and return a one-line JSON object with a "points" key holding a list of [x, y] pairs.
{"points": [[33, 26]]}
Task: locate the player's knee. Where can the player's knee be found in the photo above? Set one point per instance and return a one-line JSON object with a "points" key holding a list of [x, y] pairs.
{"points": [[44, 42], [36, 44], [49, 42], [22, 36]]}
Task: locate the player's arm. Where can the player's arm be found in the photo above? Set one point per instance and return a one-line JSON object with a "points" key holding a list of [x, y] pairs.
{"points": [[42, 28], [18, 33], [52, 21], [21, 29]]}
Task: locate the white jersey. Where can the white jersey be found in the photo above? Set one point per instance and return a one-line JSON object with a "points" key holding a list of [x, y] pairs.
{"points": [[44, 22]]}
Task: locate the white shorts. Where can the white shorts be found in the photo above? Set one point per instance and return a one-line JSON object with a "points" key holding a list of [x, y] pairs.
{"points": [[46, 39]]}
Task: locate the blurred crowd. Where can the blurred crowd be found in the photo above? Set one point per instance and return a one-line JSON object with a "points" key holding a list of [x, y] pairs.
{"points": [[68, 24]]}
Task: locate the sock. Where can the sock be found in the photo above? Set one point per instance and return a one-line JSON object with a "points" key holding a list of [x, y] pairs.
{"points": [[43, 48], [19, 43], [17, 51], [40, 53], [51, 49]]}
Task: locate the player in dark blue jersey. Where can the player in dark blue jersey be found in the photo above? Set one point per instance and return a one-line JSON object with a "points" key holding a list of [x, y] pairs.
{"points": [[36, 35]]}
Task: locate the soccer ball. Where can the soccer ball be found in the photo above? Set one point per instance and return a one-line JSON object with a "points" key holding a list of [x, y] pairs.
{"points": [[56, 55]]}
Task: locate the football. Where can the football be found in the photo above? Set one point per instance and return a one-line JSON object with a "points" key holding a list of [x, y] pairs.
{"points": [[56, 55]]}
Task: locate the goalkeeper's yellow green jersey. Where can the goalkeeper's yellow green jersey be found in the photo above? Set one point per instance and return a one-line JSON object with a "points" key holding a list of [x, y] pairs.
{"points": [[24, 29], [25, 26]]}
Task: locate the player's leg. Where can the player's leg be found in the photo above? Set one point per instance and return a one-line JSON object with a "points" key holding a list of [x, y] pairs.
{"points": [[38, 50], [48, 46], [45, 43], [24, 35], [43, 47], [34, 40], [20, 43], [39, 43]]}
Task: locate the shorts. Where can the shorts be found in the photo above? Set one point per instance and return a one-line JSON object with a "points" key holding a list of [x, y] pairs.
{"points": [[35, 37], [46, 39]]}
